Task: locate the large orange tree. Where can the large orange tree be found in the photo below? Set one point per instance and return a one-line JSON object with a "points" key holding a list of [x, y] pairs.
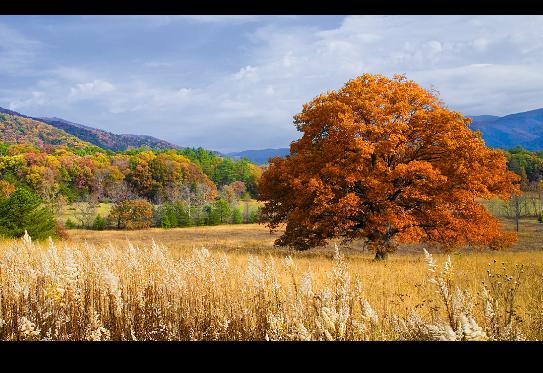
{"points": [[385, 160]]}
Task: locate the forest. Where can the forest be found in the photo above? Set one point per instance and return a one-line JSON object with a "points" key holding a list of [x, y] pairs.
{"points": [[164, 188]]}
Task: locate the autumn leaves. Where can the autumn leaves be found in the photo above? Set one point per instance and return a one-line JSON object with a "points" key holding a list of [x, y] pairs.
{"points": [[384, 160]]}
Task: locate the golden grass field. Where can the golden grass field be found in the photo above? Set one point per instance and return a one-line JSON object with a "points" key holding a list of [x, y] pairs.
{"points": [[256, 238], [229, 283]]}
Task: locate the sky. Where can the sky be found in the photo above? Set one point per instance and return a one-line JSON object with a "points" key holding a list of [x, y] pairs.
{"points": [[231, 83]]}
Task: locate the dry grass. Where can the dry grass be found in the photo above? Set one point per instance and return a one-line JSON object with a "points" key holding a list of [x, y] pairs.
{"points": [[235, 289]]}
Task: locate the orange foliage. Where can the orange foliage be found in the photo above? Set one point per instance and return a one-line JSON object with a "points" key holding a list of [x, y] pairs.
{"points": [[385, 160]]}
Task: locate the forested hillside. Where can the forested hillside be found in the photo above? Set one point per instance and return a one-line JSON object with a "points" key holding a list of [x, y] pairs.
{"points": [[157, 176], [108, 140], [18, 129], [103, 139]]}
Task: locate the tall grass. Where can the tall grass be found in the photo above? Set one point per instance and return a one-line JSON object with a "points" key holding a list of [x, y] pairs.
{"points": [[68, 291]]}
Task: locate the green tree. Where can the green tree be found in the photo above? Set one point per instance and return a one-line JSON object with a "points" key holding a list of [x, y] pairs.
{"points": [[22, 211], [237, 217], [99, 223], [182, 214], [254, 215], [169, 217], [222, 211], [70, 224]]}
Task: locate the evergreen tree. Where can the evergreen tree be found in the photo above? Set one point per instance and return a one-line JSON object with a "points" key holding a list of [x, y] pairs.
{"points": [[237, 217], [99, 223], [169, 219], [22, 211], [182, 214], [222, 210]]}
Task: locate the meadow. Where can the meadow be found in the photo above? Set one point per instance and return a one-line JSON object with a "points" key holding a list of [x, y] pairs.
{"points": [[229, 283]]}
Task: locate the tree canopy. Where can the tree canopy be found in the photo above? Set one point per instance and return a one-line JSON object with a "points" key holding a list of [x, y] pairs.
{"points": [[385, 160]]}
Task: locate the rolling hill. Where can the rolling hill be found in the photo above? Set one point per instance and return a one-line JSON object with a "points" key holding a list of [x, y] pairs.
{"points": [[94, 136], [105, 139], [24, 130], [520, 129]]}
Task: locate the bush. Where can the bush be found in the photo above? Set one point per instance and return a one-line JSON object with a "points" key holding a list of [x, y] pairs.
{"points": [[21, 212], [99, 223], [70, 224], [60, 231], [132, 214], [213, 217], [183, 214]]}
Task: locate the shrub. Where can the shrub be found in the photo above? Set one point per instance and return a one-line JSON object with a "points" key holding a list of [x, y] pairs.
{"points": [[183, 214], [60, 231], [99, 223], [171, 215], [213, 217], [132, 214], [21, 212]]}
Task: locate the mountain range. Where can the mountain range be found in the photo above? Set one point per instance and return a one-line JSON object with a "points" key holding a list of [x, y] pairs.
{"points": [[520, 129], [259, 156]]}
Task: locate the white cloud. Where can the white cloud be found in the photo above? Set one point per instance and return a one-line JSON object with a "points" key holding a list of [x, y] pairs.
{"points": [[91, 89]]}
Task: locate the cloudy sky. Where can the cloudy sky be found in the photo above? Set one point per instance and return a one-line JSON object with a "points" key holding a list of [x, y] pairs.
{"points": [[231, 83]]}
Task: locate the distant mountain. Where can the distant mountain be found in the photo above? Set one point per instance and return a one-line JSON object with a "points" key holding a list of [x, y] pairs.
{"points": [[97, 137], [261, 156], [11, 112], [108, 140], [21, 129], [520, 129]]}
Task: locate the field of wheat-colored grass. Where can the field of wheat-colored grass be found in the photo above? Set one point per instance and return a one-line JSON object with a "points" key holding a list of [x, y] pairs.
{"points": [[229, 283]]}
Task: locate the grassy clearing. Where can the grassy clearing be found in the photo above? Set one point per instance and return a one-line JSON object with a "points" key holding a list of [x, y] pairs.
{"points": [[74, 210]]}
